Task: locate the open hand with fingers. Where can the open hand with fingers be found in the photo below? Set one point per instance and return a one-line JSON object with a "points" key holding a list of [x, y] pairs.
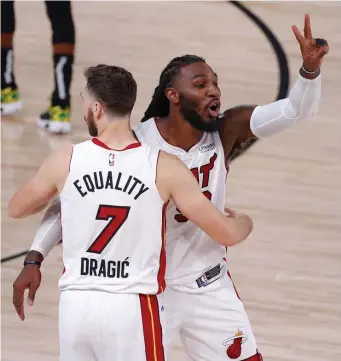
{"points": [[29, 278], [313, 49]]}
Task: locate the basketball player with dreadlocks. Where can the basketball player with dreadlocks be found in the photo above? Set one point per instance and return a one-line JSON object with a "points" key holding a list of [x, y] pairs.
{"points": [[184, 119]]}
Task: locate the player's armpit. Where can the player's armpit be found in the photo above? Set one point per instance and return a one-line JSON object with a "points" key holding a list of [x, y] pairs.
{"points": [[33, 196], [176, 179], [235, 126]]}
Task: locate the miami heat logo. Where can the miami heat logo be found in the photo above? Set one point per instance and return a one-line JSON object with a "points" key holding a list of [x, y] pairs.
{"points": [[234, 344], [111, 159]]}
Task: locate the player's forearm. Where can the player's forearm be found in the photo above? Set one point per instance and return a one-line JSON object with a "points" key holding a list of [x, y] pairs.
{"points": [[302, 103], [50, 230]]}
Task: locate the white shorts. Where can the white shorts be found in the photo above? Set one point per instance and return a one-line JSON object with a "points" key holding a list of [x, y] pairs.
{"points": [[102, 326], [212, 325]]}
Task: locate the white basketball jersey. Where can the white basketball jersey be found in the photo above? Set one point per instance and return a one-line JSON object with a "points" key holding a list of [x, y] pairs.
{"points": [[190, 251], [112, 220]]}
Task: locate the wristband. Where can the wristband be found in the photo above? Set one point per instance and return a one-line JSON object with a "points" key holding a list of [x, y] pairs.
{"points": [[310, 72], [37, 263]]}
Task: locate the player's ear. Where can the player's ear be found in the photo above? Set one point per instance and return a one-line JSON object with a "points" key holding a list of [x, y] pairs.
{"points": [[172, 95], [97, 109]]}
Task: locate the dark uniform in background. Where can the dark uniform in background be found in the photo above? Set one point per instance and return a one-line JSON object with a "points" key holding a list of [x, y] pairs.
{"points": [[57, 117]]}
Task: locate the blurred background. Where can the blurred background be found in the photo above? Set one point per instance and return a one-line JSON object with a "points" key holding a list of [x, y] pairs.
{"points": [[289, 273]]}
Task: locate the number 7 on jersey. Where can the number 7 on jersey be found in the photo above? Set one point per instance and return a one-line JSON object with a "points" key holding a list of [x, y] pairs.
{"points": [[116, 215]]}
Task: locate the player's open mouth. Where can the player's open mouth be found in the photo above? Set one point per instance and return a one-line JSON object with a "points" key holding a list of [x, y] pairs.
{"points": [[214, 109]]}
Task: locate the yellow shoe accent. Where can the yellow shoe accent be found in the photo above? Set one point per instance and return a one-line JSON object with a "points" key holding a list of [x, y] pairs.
{"points": [[10, 100], [56, 120], [59, 114]]}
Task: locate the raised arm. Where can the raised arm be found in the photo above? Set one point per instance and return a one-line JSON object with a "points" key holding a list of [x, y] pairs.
{"points": [[250, 121], [174, 180]]}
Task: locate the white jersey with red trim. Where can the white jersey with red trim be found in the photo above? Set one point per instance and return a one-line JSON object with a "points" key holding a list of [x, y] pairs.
{"points": [[112, 220], [190, 251]]}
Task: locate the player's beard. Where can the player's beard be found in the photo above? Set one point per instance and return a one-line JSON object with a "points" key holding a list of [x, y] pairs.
{"points": [[189, 112], [90, 121]]}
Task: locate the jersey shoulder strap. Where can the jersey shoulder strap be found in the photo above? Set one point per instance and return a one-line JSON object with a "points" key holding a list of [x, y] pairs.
{"points": [[152, 158]]}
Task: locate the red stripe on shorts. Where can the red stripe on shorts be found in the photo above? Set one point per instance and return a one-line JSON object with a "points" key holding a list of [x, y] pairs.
{"points": [[162, 268], [229, 274], [152, 328]]}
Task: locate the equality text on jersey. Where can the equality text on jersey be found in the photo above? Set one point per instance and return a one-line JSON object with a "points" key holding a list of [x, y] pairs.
{"points": [[90, 183]]}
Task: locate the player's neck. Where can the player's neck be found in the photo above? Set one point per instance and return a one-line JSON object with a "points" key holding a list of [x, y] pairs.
{"points": [[178, 132], [117, 135]]}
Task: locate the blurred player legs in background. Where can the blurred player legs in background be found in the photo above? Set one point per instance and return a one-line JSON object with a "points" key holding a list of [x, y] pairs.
{"points": [[57, 117]]}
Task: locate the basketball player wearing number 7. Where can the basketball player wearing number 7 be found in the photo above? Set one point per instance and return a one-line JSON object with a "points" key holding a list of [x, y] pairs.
{"points": [[113, 193], [182, 119]]}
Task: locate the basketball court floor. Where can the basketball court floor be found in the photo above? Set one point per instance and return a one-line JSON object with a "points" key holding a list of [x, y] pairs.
{"points": [[289, 272]]}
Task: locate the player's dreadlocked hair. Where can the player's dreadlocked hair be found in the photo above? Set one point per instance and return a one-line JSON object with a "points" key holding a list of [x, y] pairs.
{"points": [[159, 106]]}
